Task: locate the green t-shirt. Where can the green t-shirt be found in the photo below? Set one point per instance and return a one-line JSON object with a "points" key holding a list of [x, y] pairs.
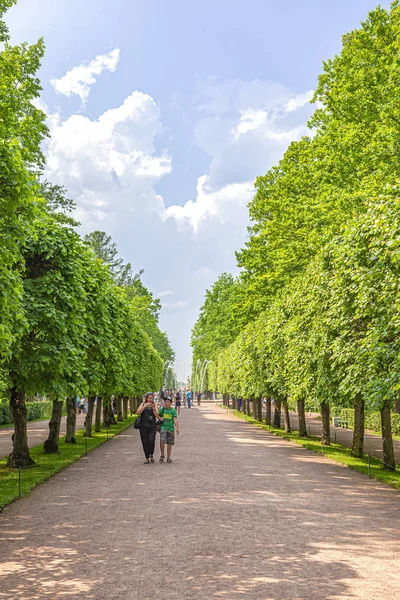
{"points": [[169, 415]]}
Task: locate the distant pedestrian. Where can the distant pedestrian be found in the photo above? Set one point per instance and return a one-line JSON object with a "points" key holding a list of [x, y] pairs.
{"points": [[169, 423], [148, 426], [189, 399], [198, 399], [178, 402]]}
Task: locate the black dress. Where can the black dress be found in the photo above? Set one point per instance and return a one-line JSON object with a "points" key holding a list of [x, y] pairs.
{"points": [[148, 430]]}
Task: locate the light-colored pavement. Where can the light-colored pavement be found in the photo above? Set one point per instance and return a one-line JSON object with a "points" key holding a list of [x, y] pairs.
{"points": [[239, 514], [37, 434]]}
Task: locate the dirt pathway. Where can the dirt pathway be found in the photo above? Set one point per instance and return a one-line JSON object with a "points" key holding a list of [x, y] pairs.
{"points": [[239, 514], [37, 433]]}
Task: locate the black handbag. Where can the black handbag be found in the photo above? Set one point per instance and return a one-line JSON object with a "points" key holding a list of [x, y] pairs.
{"points": [[136, 424]]}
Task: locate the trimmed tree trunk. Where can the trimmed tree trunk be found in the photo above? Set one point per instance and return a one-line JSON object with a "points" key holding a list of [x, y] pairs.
{"points": [[108, 415], [89, 416], [277, 415], [131, 406], [51, 444], [119, 409], [357, 449], [125, 407], [259, 409], [396, 407], [19, 457], [254, 409], [286, 415], [97, 423], [71, 421], [388, 451], [268, 411], [326, 424], [248, 411], [234, 403], [302, 418]]}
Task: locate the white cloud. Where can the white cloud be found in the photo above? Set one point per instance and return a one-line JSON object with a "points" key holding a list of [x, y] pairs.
{"points": [[175, 305], [299, 101], [222, 204], [110, 163], [163, 294], [78, 80]]}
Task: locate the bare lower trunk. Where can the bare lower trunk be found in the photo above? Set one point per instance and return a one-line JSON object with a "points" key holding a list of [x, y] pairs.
{"points": [[51, 444], [131, 406], [125, 408], [302, 418], [254, 409], [97, 422], [268, 411], [286, 416], [326, 425], [277, 415], [234, 403], [357, 449], [108, 415], [19, 456], [248, 411], [89, 416], [119, 409], [388, 452], [71, 421], [396, 407], [259, 409]]}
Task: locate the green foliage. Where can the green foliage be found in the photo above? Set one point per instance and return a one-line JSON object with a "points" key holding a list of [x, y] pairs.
{"points": [[34, 411]]}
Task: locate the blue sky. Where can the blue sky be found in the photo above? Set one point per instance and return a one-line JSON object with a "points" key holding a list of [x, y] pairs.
{"points": [[162, 114]]}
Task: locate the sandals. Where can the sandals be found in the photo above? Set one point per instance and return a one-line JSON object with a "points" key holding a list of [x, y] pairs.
{"points": [[162, 458], [152, 459], [147, 461], [169, 460]]}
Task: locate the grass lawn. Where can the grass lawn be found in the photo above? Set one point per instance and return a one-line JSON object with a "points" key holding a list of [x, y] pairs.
{"points": [[336, 452], [49, 464]]}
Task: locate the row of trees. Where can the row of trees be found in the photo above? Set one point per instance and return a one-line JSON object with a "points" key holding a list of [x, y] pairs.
{"points": [[313, 315], [75, 320]]}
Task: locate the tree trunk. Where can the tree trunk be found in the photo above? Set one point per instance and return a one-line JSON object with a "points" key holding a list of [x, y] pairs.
{"points": [[97, 423], [119, 409], [19, 457], [286, 416], [234, 403], [357, 449], [108, 415], [51, 444], [254, 409], [268, 411], [259, 409], [396, 407], [326, 424], [248, 411], [89, 416], [71, 421], [125, 407], [302, 418], [131, 407], [277, 415], [388, 452]]}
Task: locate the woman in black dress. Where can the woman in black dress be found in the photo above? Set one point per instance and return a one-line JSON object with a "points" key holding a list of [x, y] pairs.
{"points": [[148, 426]]}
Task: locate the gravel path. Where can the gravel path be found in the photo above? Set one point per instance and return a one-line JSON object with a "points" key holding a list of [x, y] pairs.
{"points": [[239, 514], [37, 434]]}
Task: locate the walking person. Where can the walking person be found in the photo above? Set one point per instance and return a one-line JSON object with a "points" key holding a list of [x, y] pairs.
{"points": [[189, 399], [148, 426], [198, 396], [178, 402], [169, 423]]}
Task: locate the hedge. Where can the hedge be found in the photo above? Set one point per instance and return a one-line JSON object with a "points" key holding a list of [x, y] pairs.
{"points": [[34, 410], [372, 420]]}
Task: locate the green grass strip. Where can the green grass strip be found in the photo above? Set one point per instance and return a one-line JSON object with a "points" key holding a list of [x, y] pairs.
{"points": [[336, 452], [50, 464]]}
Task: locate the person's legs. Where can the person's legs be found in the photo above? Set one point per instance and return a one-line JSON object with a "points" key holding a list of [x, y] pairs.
{"points": [[162, 445], [144, 436], [170, 442], [151, 441]]}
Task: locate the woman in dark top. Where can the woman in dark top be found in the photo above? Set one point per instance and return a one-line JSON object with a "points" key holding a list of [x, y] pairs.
{"points": [[148, 426]]}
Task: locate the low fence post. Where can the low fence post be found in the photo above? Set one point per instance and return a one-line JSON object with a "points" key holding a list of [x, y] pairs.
{"points": [[369, 465]]}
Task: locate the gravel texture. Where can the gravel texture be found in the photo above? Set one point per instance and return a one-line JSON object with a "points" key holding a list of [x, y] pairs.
{"points": [[239, 514]]}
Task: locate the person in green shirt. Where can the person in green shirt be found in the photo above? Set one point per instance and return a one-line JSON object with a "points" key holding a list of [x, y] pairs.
{"points": [[169, 423]]}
